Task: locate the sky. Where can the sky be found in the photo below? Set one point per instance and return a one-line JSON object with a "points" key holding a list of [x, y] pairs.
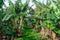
{"points": [[23, 1]]}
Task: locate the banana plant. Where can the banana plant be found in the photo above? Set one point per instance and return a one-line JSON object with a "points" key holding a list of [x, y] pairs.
{"points": [[14, 15]]}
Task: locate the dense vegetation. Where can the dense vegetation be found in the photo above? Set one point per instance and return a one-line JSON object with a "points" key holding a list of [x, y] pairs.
{"points": [[25, 23]]}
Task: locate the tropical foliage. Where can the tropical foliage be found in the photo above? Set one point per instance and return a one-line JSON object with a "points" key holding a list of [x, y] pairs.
{"points": [[21, 20]]}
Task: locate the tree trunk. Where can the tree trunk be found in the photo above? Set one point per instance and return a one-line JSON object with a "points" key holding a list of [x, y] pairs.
{"points": [[19, 33]]}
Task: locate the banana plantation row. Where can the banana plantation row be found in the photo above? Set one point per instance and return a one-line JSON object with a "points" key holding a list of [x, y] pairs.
{"points": [[20, 21]]}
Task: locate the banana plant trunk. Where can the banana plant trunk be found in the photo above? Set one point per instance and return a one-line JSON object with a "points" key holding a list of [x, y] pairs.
{"points": [[20, 28]]}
